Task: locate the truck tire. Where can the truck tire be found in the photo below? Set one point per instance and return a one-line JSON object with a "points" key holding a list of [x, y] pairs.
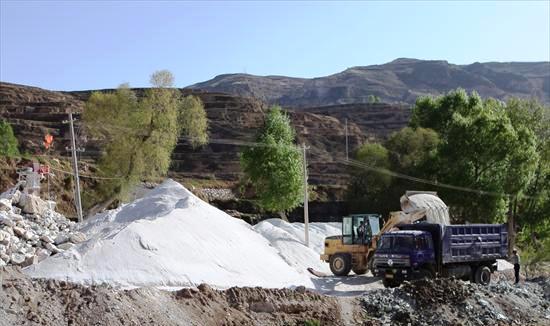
{"points": [[390, 283], [340, 264], [359, 271], [425, 274], [483, 275], [370, 265]]}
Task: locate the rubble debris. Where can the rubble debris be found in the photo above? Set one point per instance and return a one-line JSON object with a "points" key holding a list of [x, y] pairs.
{"points": [[455, 302], [26, 301], [28, 227]]}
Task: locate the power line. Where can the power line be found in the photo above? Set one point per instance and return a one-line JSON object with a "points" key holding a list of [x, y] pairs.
{"points": [[347, 161], [359, 164]]}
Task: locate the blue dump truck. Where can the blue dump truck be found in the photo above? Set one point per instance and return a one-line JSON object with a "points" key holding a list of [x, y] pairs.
{"points": [[425, 250]]}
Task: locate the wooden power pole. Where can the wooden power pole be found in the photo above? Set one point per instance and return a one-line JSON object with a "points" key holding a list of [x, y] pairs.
{"points": [[73, 149], [306, 213]]}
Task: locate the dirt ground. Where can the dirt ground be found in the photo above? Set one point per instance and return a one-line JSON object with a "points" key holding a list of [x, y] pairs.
{"points": [[47, 302], [353, 300]]}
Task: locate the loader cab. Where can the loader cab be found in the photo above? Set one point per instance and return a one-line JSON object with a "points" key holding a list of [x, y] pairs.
{"points": [[353, 225]]}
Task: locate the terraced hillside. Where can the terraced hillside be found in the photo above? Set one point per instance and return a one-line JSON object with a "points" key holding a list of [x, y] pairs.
{"points": [[233, 121]]}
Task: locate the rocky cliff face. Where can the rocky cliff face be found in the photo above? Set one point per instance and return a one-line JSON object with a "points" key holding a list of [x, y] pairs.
{"points": [[233, 121], [399, 81]]}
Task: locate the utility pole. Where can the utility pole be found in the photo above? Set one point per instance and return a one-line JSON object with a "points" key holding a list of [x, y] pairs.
{"points": [[73, 149], [306, 213], [347, 148]]}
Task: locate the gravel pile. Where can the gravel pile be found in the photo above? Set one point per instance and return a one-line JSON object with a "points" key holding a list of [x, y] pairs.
{"points": [[222, 194], [455, 302], [31, 230]]}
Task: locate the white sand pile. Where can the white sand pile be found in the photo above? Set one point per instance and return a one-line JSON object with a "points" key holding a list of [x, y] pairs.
{"points": [[288, 238], [436, 210], [171, 238]]}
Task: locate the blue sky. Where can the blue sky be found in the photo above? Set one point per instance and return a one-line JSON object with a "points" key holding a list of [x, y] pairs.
{"points": [[100, 44]]}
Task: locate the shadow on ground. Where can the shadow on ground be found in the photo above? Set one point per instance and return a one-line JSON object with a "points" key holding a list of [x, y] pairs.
{"points": [[348, 286]]}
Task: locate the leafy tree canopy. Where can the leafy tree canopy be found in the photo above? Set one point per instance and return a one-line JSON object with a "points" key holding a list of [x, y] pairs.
{"points": [[139, 134], [8, 142], [275, 167]]}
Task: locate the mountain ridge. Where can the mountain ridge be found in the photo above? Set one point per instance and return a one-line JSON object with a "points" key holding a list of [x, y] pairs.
{"points": [[399, 81]]}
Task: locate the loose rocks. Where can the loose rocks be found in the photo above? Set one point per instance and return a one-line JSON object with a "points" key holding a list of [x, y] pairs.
{"points": [[29, 227], [454, 302]]}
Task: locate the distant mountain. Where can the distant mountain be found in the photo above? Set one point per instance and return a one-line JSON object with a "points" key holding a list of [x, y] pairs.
{"points": [[399, 81]]}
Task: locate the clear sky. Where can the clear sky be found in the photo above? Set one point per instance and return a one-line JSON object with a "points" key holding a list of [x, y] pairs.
{"points": [[100, 44]]}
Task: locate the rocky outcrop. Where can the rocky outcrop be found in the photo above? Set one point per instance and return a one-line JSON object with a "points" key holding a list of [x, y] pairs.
{"points": [[399, 81]]}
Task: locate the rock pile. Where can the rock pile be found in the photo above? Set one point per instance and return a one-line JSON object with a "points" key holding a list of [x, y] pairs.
{"points": [[31, 230], [454, 302]]}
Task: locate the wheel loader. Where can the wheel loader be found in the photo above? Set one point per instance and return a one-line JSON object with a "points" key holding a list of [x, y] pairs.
{"points": [[354, 249]]}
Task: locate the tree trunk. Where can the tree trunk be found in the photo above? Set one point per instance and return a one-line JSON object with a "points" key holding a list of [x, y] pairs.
{"points": [[283, 217]]}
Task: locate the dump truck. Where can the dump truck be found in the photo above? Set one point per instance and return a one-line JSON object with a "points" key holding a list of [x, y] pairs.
{"points": [[354, 250], [428, 250]]}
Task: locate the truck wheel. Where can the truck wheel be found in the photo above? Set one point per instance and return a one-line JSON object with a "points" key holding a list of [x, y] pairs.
{"points": [[370, 264], [340, 264], [359, 271], [425, 274], [483, 275], [390, 283]]}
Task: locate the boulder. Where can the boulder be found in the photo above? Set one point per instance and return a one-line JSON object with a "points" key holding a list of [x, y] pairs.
{"points": [[29, 260], [51, 247], [65, 246], [5, 205], [61, 238], [46, 238], [42, 254], [5, 257], [29, 235], [31, 204], [17, 259], [77, 237], [16, 197], [4, 220], [19, 231]]}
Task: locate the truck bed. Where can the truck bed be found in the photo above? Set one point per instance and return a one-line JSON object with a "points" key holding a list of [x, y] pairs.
{"points": [[474, 242]]}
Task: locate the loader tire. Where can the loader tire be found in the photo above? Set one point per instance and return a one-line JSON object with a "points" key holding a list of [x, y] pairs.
{"points": [[340, 264], [483, 275]]}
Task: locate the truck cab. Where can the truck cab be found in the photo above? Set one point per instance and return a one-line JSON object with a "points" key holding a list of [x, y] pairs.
{"points": [[404, 255]]}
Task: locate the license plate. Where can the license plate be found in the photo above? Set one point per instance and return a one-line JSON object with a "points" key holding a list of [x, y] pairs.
{"points": [[389, 275]]}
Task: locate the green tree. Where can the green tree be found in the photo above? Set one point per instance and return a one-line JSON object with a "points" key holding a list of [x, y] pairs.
{"points": [[194, 121], [367, 191], [275, 168], [413, 150], [481, 148], [138, 135], [8, 142]]}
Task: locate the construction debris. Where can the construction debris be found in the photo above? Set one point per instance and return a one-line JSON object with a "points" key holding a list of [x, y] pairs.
{"points": [[29, 229], [455, 302]]}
